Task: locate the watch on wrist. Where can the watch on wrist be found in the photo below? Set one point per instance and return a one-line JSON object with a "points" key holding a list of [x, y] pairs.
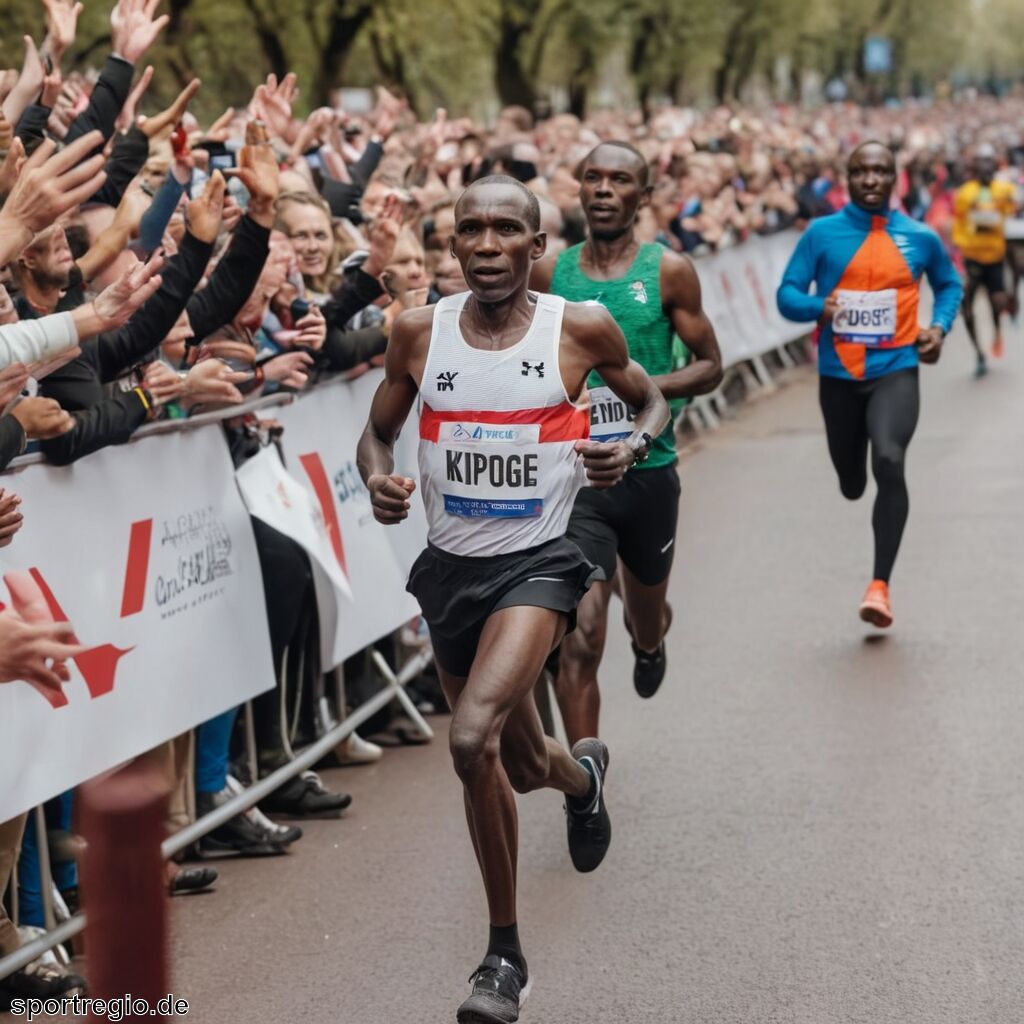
{"points": [[642, 448]]}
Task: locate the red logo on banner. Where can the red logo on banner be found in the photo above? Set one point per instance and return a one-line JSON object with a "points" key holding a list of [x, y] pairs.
{"points": [[98, 665], [314, 467]]}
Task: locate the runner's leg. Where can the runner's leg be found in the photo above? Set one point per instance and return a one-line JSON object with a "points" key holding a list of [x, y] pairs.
{"points": [[892, 413], [646, 610], [576, 689], [843, 407], [967, 309], [513, 647]]}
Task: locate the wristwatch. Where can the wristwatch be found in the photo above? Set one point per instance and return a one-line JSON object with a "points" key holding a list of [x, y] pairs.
{"points": [[642, 448]]}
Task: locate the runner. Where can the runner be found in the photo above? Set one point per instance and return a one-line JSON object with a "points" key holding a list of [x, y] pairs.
{"points": [[503, 450], [866, 263], [982, 206], [653, 294]]}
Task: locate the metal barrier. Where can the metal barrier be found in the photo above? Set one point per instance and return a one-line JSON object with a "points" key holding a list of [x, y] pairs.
{"points": [[393, 690]]}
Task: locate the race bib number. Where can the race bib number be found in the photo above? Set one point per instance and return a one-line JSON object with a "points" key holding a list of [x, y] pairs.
{"points": [[491, 470], [865, 318], [611, 419], [986, 220]]}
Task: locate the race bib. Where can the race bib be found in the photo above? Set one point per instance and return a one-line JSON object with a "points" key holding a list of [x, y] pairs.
{"points": [[611, 419], [491, 469], [986, 220], [865, 318]]}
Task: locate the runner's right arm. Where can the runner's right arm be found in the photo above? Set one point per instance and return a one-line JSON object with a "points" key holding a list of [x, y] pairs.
{"points": [[793, 298], [389, 491]]}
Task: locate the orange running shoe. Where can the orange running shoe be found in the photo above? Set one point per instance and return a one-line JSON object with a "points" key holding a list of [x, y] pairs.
{"points": [[997, 347], [875, 607]]}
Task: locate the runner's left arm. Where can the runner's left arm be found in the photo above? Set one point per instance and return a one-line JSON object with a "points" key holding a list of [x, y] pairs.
{"points": [[946, 284], [680, 293], [605, 351]]}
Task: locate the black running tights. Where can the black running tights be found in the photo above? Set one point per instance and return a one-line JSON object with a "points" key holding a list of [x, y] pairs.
{"points": [[883, 412]]}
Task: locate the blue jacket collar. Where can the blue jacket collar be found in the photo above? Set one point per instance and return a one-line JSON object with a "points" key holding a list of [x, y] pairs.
{"points": [[863, 219]]}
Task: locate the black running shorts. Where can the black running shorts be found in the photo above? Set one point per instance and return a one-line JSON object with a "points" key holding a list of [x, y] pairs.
{"points": [[458, 594], [988, 275], [634, 520]]}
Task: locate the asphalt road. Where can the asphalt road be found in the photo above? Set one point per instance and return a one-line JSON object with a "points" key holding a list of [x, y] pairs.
{"points": [[812, 824]]}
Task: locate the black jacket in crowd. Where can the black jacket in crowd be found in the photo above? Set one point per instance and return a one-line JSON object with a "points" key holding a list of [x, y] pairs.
{"points": [[78, 386]]}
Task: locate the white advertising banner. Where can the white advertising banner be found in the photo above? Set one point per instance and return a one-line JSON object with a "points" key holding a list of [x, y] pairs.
{"points": [[148, 551], [738, 287], [321, 431], [278, 499]]}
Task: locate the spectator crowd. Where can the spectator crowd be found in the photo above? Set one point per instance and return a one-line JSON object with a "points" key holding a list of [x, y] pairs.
{"points": [[152, 266]]}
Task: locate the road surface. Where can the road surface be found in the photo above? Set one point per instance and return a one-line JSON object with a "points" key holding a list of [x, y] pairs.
{"points": [[812, 824]]}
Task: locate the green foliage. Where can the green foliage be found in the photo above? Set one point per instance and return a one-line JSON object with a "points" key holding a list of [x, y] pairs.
{"points": [[473, 55]]}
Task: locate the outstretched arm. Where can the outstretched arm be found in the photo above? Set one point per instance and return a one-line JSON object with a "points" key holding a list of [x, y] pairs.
{"points": [[389, 492], [680, 292]]}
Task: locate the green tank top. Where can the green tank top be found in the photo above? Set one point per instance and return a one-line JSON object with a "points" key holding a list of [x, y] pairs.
{"points": [[635, 302]]}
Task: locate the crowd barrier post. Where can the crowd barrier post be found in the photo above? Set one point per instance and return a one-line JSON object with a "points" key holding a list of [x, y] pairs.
{"points": [[397, 687], [45, 869], [123, 818]]}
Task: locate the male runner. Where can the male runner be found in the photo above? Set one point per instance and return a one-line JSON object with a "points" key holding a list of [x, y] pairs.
{"points": [[504, 423], [866, 263], [653, 294], [981, 207]]}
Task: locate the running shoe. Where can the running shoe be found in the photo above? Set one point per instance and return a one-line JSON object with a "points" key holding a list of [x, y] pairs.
{"points": [[875, 608], [997, 347], [590, 828], [981, 369], [649, 666], [499, 991]]}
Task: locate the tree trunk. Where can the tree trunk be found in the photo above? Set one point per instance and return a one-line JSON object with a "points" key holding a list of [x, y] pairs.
{"points": [[514, 85], [730, 57], [638, 56], [341, 37]]}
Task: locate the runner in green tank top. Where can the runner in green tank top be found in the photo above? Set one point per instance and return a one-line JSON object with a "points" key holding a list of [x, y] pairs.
{"points": [[654, 295]]}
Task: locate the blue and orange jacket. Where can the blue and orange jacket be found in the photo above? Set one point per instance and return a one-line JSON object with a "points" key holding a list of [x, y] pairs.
{"points": [[857, 251]]}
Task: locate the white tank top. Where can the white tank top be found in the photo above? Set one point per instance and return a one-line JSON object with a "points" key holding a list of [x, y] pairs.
{"points": [[498, 469]]}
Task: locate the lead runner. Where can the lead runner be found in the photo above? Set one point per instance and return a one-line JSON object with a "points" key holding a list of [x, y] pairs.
{"points": [[504, 449]]}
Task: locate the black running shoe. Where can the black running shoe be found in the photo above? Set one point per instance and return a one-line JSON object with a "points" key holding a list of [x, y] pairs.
{"points": [[649, 667], [590, 828], [499, 990]]}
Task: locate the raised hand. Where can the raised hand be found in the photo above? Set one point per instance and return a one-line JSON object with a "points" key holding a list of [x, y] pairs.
{"points": [[126, 118], [272, 103], [118, 302], [258, 170], [61, 26], [205, 212], [28, 85], [42, 418], [155, 126], [49, 184], [384, 232], [6, 133], [220, 130], [134, 28]]}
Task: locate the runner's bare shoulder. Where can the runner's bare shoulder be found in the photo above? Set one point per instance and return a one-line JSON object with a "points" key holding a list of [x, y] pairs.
{"points": [[411, 331], [591, 327]]}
